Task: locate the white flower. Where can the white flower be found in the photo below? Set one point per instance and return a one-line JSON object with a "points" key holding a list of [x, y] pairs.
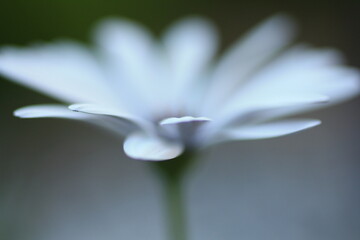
{"points": [[170, 96]]}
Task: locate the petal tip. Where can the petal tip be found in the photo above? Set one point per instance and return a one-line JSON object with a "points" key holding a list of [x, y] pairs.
{"points": [[75, 107], [142, 147], [19, 113]]}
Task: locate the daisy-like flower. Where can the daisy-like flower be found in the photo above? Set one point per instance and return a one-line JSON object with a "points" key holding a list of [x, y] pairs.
{"points": [[170, 96]]}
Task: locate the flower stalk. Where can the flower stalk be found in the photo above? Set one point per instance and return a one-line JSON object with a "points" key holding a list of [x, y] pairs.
{"points": [[172, 174], [176, 216]]}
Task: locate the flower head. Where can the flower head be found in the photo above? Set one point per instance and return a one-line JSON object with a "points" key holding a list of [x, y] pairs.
{"points": [[170, 96]]}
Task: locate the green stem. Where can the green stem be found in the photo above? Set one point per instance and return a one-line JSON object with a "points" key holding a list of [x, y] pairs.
{"points": [[172, 173], [175, 208]]}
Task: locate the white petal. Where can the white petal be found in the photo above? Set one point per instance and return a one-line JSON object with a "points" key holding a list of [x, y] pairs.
{"points": [[144, 147], [49, 111], [186, 119], [63, 70], [184, 129], [248, 55], [134, 58], [274, 108], [108, 111], [60, 111], [190, 45], [299, 73], [268, 130]]}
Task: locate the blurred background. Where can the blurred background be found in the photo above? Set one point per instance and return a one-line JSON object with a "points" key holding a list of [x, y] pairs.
{"points": [[63, 180]]}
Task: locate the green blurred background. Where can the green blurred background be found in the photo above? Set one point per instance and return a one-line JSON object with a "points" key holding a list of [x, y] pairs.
{"points": [[64, 180]]}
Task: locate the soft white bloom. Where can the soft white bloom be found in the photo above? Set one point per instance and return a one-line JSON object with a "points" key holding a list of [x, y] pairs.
{"points": [[170, 96]]}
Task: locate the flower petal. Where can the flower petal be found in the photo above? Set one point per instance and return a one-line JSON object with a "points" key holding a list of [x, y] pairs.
{"points": [[133, 57], [145, 147], [190, 45], [63, 70], [185, 129], [186, 119], [49, 111], [108, 111], [299, 73], [267, 130], [248, 55], [260, 111], [60, 111]]}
